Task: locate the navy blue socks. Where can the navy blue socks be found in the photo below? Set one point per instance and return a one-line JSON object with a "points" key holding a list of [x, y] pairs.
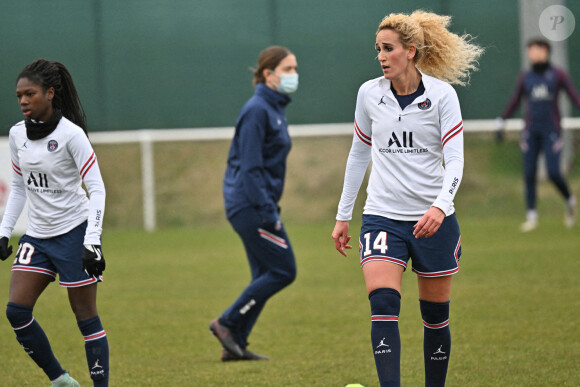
{"points": [[385, 308], [436, 342], [97, 349], [33, 339]]}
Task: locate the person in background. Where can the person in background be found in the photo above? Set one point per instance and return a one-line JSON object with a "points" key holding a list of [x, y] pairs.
{"points": [[540, 86], [408, 121], [51, 159], [253, 186]]}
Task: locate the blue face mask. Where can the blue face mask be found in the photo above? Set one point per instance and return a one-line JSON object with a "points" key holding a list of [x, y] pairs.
{"points": [[288, 83]]}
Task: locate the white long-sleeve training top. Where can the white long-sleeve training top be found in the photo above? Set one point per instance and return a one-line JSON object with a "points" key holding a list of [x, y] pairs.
{"points": [[417, 152], [50, 172]]}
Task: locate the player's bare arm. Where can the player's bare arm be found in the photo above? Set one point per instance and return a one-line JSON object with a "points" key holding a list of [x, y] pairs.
{"points": [[429, 223], [341, 237]]}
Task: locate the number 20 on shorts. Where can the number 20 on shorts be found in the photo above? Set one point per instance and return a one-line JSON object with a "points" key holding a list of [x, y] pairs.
{"points": [[24, 254], [380, 243]]}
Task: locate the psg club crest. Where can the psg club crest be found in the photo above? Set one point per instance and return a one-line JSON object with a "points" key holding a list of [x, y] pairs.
{"points": [[52, 145], [425, 104]]}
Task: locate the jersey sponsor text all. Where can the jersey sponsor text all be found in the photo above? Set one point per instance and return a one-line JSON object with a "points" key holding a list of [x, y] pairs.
{"points": [[401, 144]]}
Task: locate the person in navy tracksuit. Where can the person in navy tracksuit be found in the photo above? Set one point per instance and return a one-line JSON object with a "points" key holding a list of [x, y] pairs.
{"points": [[542, 133], [253, 186]]}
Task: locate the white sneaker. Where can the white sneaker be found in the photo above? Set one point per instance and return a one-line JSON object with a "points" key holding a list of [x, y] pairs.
{"points": [[529, 225], [570, 214], [65, 380], [531, 222]]}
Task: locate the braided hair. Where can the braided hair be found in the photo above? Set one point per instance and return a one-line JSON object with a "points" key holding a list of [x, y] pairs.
{"points": [[47, 74]]}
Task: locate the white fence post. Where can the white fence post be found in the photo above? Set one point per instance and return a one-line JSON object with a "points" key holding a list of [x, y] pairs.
{"points": [[148, 181]]}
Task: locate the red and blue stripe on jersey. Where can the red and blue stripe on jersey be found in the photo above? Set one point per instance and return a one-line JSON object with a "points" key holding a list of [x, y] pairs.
{"points": [[88, 165], [16, 168], [363, 137], [452, 133]]}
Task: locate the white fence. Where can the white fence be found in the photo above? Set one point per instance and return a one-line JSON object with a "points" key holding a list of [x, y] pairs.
{"points": [[147, 137]]}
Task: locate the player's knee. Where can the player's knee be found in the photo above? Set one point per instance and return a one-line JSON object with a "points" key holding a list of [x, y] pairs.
{"points": [[288, 275], [285, 272], [18, 314], [385, 301], [85, 312], [435, 313], [292, 274]]}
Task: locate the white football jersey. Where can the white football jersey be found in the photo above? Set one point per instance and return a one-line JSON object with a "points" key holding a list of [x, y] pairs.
{"points": [[50, 172], [417, 153]]}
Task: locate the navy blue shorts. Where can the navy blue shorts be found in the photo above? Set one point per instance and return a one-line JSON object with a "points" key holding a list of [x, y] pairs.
{"points": [[388, 240], [61, 254]]}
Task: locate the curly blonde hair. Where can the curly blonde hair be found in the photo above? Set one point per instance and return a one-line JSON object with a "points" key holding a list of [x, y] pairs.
{"points": [[440, 53]]}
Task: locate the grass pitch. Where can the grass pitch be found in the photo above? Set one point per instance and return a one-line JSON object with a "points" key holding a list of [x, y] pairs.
{"points": [[514, 312], [514, 308]]}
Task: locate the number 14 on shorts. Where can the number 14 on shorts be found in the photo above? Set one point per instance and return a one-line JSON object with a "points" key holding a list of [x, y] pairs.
{"points": [[380, 243]]}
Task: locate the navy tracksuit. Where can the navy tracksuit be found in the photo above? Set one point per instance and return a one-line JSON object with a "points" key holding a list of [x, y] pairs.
{"points": [[542, 132], [253, 185]]}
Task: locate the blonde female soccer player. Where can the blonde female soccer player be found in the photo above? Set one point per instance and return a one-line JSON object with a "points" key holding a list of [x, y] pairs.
{"points": [[409, 123]]}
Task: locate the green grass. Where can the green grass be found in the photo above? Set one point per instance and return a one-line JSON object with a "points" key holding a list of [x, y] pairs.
{"points": [[514, 313], [513, 318]]}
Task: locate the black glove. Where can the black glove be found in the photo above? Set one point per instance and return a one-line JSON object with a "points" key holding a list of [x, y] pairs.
{"points": [[93, 260], [5, 250]]}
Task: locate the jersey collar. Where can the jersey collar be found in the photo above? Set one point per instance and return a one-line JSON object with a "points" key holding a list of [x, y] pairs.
{"points": [[272, 96], [385, 84]]}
